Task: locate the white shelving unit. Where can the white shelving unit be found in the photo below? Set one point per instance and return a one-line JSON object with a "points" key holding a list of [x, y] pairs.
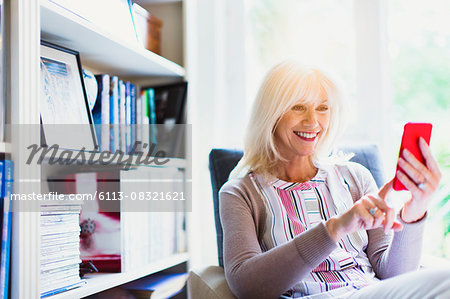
{"points": [[29, 21]]}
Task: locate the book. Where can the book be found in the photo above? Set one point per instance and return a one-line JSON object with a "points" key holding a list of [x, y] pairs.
{"points": [[57, 274], [58, 229], [63, 289], [145, 120], [7, 175], [50, 285], [56, 212], [60, 263], [128, 116], [64, 209], [132, 117], [48, 249], [170, 103], [139, 118], [101, 111], [61, 218], [122, 116], [7, 171], [151, 113], [70, 268], [55, 239], [140, 16], [159, 285], [114, 113], [60, 255]]}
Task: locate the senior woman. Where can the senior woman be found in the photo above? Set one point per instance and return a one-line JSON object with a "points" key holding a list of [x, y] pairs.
{"points": [[298, 223]]}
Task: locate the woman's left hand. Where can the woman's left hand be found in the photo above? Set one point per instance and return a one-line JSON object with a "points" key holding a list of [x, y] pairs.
{"points": [[421, 180]]}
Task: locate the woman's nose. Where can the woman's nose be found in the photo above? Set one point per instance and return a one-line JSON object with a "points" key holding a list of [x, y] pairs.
{"points": [[310, 118]]}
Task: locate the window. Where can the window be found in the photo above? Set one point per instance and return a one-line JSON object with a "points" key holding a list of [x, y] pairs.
{"points": [[419, 50], [310, 31]]}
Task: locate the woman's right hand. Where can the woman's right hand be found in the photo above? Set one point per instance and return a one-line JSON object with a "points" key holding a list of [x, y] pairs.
{"points": [[370, 212]]}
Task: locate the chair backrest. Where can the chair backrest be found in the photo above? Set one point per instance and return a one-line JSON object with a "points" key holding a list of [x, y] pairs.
{"points": [[222, 162]]}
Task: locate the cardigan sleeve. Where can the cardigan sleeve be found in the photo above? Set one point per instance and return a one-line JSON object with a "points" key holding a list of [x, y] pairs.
{"points": [[391, 254], [252, 273]]}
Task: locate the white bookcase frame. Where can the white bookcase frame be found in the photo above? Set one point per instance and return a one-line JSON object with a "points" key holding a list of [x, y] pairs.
{"points": [[26, 21]]}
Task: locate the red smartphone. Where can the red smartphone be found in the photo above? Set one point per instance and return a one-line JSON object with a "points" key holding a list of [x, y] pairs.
{"points": [[410, 141]]}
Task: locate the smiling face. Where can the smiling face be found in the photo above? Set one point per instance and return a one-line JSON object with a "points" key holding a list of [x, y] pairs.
{"points": [[301, 127], [297, 115]]}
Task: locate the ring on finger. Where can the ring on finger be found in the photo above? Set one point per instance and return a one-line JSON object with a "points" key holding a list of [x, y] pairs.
{"points": [[422, 185], [372, 211]]}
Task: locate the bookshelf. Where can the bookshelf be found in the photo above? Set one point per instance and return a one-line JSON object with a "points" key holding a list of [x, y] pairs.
{"points": [[27, 22]]}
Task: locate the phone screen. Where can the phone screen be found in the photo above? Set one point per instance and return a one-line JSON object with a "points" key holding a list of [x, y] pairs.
{"points": [[410, 141]]}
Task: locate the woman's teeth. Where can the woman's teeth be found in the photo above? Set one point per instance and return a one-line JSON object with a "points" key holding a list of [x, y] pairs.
{"points": [[306, 135]]}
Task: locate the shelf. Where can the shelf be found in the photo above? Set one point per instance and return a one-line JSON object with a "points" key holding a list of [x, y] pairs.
{"points": [[100, 49], [100, 282], [5, 147]]}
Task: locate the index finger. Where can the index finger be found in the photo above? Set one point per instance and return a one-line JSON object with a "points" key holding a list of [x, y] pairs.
{"points": [[385, 189]]}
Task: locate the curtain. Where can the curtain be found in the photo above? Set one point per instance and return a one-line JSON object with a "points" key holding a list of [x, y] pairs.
{"points": [[215, 66]]}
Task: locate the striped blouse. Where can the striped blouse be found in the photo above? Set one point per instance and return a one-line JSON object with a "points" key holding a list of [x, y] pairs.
{"points": [[293, 208]]}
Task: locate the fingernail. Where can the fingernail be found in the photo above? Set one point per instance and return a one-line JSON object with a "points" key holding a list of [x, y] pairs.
{"points": [[406, 152], [401, 160], [399, 173]]}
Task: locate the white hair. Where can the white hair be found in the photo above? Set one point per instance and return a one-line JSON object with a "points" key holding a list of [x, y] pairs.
{"points": [[285, 85]]}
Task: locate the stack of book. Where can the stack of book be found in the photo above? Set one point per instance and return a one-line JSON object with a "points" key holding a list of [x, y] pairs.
{"points": [[156, 233], [114, 114], [60, 241], [126, 117]]}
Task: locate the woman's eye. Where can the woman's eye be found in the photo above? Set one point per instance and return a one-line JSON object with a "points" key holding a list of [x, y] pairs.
{"points": [[298, 108], [322, 108]]}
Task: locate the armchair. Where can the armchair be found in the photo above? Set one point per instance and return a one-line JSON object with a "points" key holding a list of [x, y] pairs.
{"points": [[211, 282]]}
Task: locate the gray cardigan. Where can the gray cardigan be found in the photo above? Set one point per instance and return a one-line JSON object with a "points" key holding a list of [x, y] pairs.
{"points": [[252, 273]]}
